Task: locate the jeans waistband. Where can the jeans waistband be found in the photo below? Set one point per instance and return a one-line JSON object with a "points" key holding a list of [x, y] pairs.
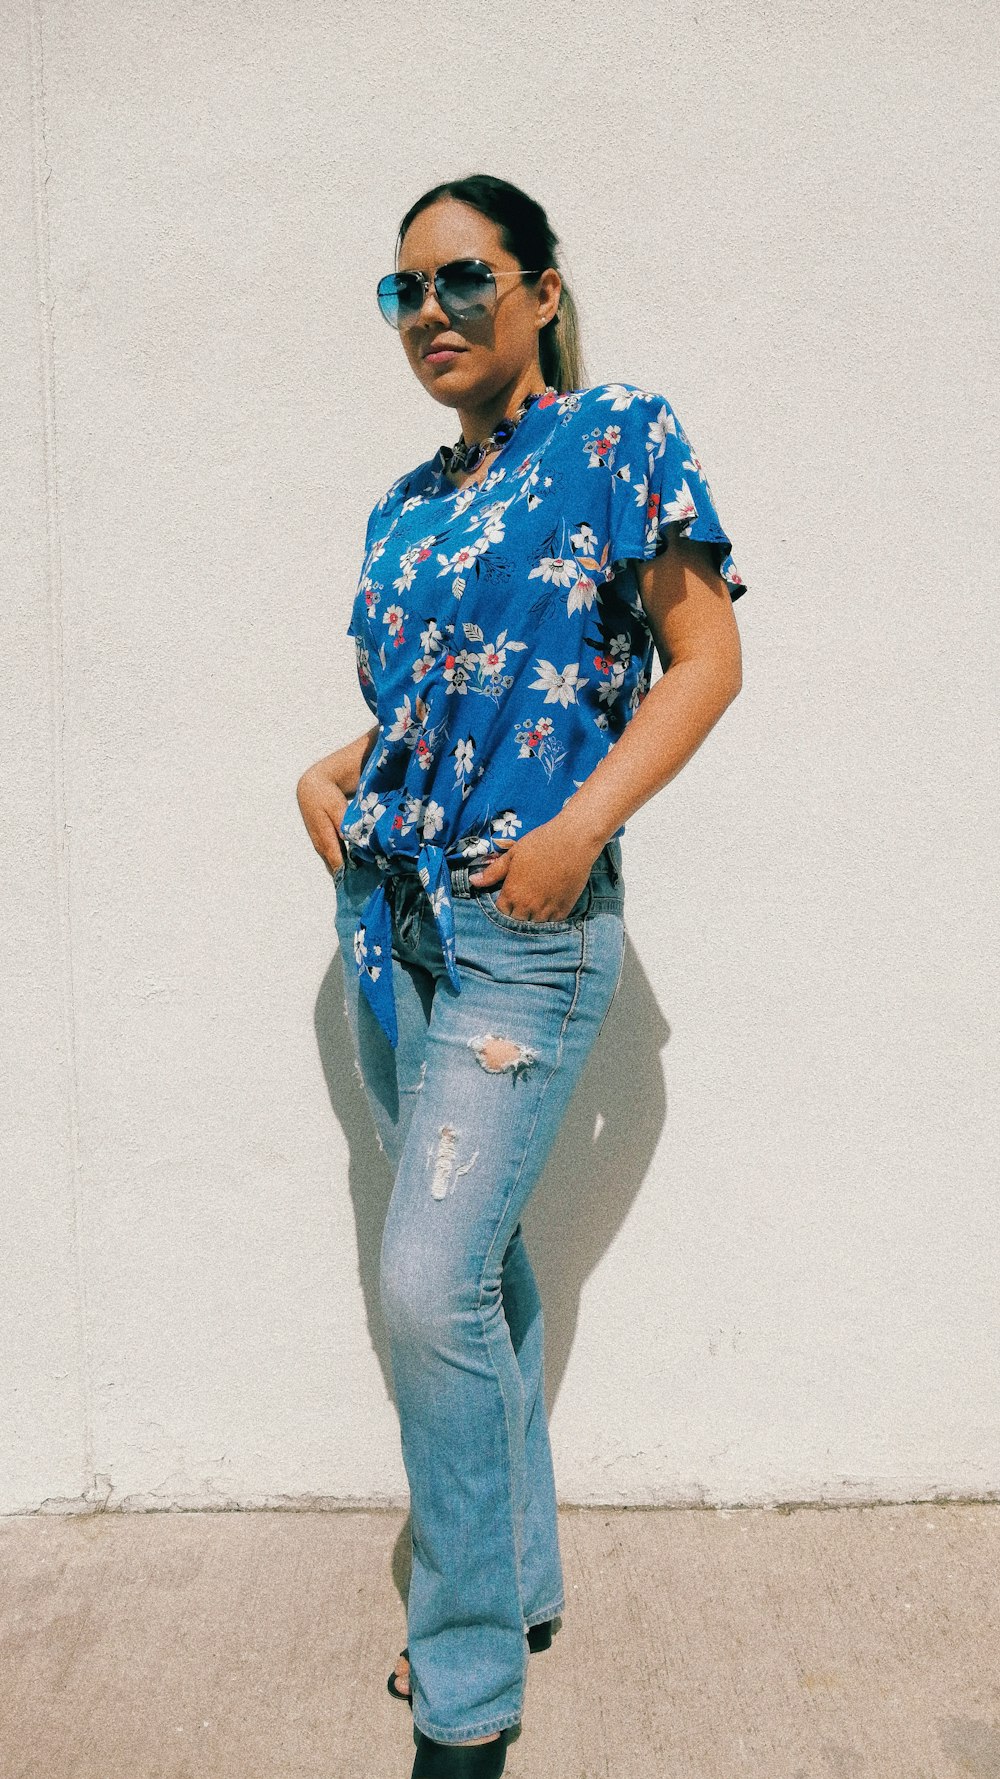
{"points": [[605, 872]]}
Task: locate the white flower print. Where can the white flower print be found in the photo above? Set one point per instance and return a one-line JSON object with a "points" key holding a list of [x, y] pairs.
{"points": [[463, 753], [410, 561], [527, 476], [558, 687], [423, 752], [411, 728], [681, 507], [464, 558], [474, 845], [372, 595], [505, 826], [458, 670], [472, 490], [433, 820], [405, 721], [494, 654], [618, 396], [361, 953], [660, 430], [432, 642], [490, 522], [370, 809], [364, 667], [409, 815], [613, 684], [537, 741], [491, 660], [393, 616], [586, 543], [600, 446], [494, 530], [582, 595], [560, 570]]}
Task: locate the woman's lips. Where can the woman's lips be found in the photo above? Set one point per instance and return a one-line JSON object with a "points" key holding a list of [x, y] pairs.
{"points": [[445, 357]]}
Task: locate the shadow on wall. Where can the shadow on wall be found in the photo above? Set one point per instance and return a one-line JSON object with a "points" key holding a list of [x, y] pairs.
{"points": [[593, 1173]]}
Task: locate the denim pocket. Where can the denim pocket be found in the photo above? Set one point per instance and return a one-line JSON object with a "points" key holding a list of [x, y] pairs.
{"points": [[487, 899]]}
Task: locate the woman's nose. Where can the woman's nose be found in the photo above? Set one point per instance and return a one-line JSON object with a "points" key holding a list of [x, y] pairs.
{"points": [[431, 313]]}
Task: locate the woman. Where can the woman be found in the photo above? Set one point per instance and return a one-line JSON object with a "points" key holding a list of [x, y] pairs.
{"points": [[513, 589]]}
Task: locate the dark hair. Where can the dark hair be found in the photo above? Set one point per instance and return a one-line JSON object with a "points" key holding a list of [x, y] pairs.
{"points": [[527, 234]]}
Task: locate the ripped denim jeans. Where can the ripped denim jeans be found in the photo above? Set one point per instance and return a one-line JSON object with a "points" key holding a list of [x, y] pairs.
{"points": [[466, 1109]]}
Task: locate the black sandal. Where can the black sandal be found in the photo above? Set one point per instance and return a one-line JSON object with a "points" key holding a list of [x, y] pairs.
{"points": [[450, 1760], [539, 1637]]}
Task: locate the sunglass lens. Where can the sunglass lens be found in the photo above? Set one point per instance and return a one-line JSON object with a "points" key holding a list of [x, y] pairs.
{"points": [[400, 297], [466, 289]]}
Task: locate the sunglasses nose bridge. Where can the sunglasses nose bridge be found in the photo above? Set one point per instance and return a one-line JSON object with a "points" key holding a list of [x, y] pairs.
{"points": [[433, 295]]}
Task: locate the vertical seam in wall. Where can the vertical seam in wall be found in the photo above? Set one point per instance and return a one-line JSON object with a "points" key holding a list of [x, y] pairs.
{"points": [[57, 701]]}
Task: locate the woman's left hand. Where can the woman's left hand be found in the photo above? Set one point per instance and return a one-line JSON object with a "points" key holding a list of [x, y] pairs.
{"points": [[543, 873]]}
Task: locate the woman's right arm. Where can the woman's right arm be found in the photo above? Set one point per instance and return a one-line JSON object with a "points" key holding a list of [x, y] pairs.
{"points": [[325, 790]]}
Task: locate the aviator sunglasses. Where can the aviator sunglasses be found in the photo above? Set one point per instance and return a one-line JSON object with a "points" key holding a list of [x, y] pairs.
{"points": [[465, 288]]}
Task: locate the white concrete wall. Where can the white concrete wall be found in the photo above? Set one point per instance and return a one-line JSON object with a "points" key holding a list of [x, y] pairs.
{"points": [[768, 1237]]}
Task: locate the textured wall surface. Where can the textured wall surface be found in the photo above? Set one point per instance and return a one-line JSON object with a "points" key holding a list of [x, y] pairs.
{"points": [[767, 1238]]}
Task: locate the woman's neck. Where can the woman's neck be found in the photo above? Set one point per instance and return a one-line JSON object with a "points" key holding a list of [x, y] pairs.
{"points": [[478, 422]]}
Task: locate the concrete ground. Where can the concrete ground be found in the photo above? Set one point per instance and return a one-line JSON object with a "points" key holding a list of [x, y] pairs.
{"points": [[696, 1644]]}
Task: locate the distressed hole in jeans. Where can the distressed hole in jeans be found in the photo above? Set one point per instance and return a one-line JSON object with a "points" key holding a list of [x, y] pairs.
{"points": [[497, 1054], [445, 1171]]}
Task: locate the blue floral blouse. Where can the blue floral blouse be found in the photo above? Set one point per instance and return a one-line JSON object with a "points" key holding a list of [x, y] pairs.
{"points": [[501, 640]]}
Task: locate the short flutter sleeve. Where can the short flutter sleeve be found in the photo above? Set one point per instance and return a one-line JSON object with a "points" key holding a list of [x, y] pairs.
{"points": [[657, 480]]}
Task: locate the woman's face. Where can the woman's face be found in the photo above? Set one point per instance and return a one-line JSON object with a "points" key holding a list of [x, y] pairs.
{"points": [[494, 351]]}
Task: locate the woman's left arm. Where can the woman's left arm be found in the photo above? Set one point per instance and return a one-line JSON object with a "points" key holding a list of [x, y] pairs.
{"points": [[690, 612]]}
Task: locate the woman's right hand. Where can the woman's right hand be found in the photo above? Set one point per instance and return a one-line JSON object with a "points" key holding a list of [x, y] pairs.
{"points": [[322, 802]]}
